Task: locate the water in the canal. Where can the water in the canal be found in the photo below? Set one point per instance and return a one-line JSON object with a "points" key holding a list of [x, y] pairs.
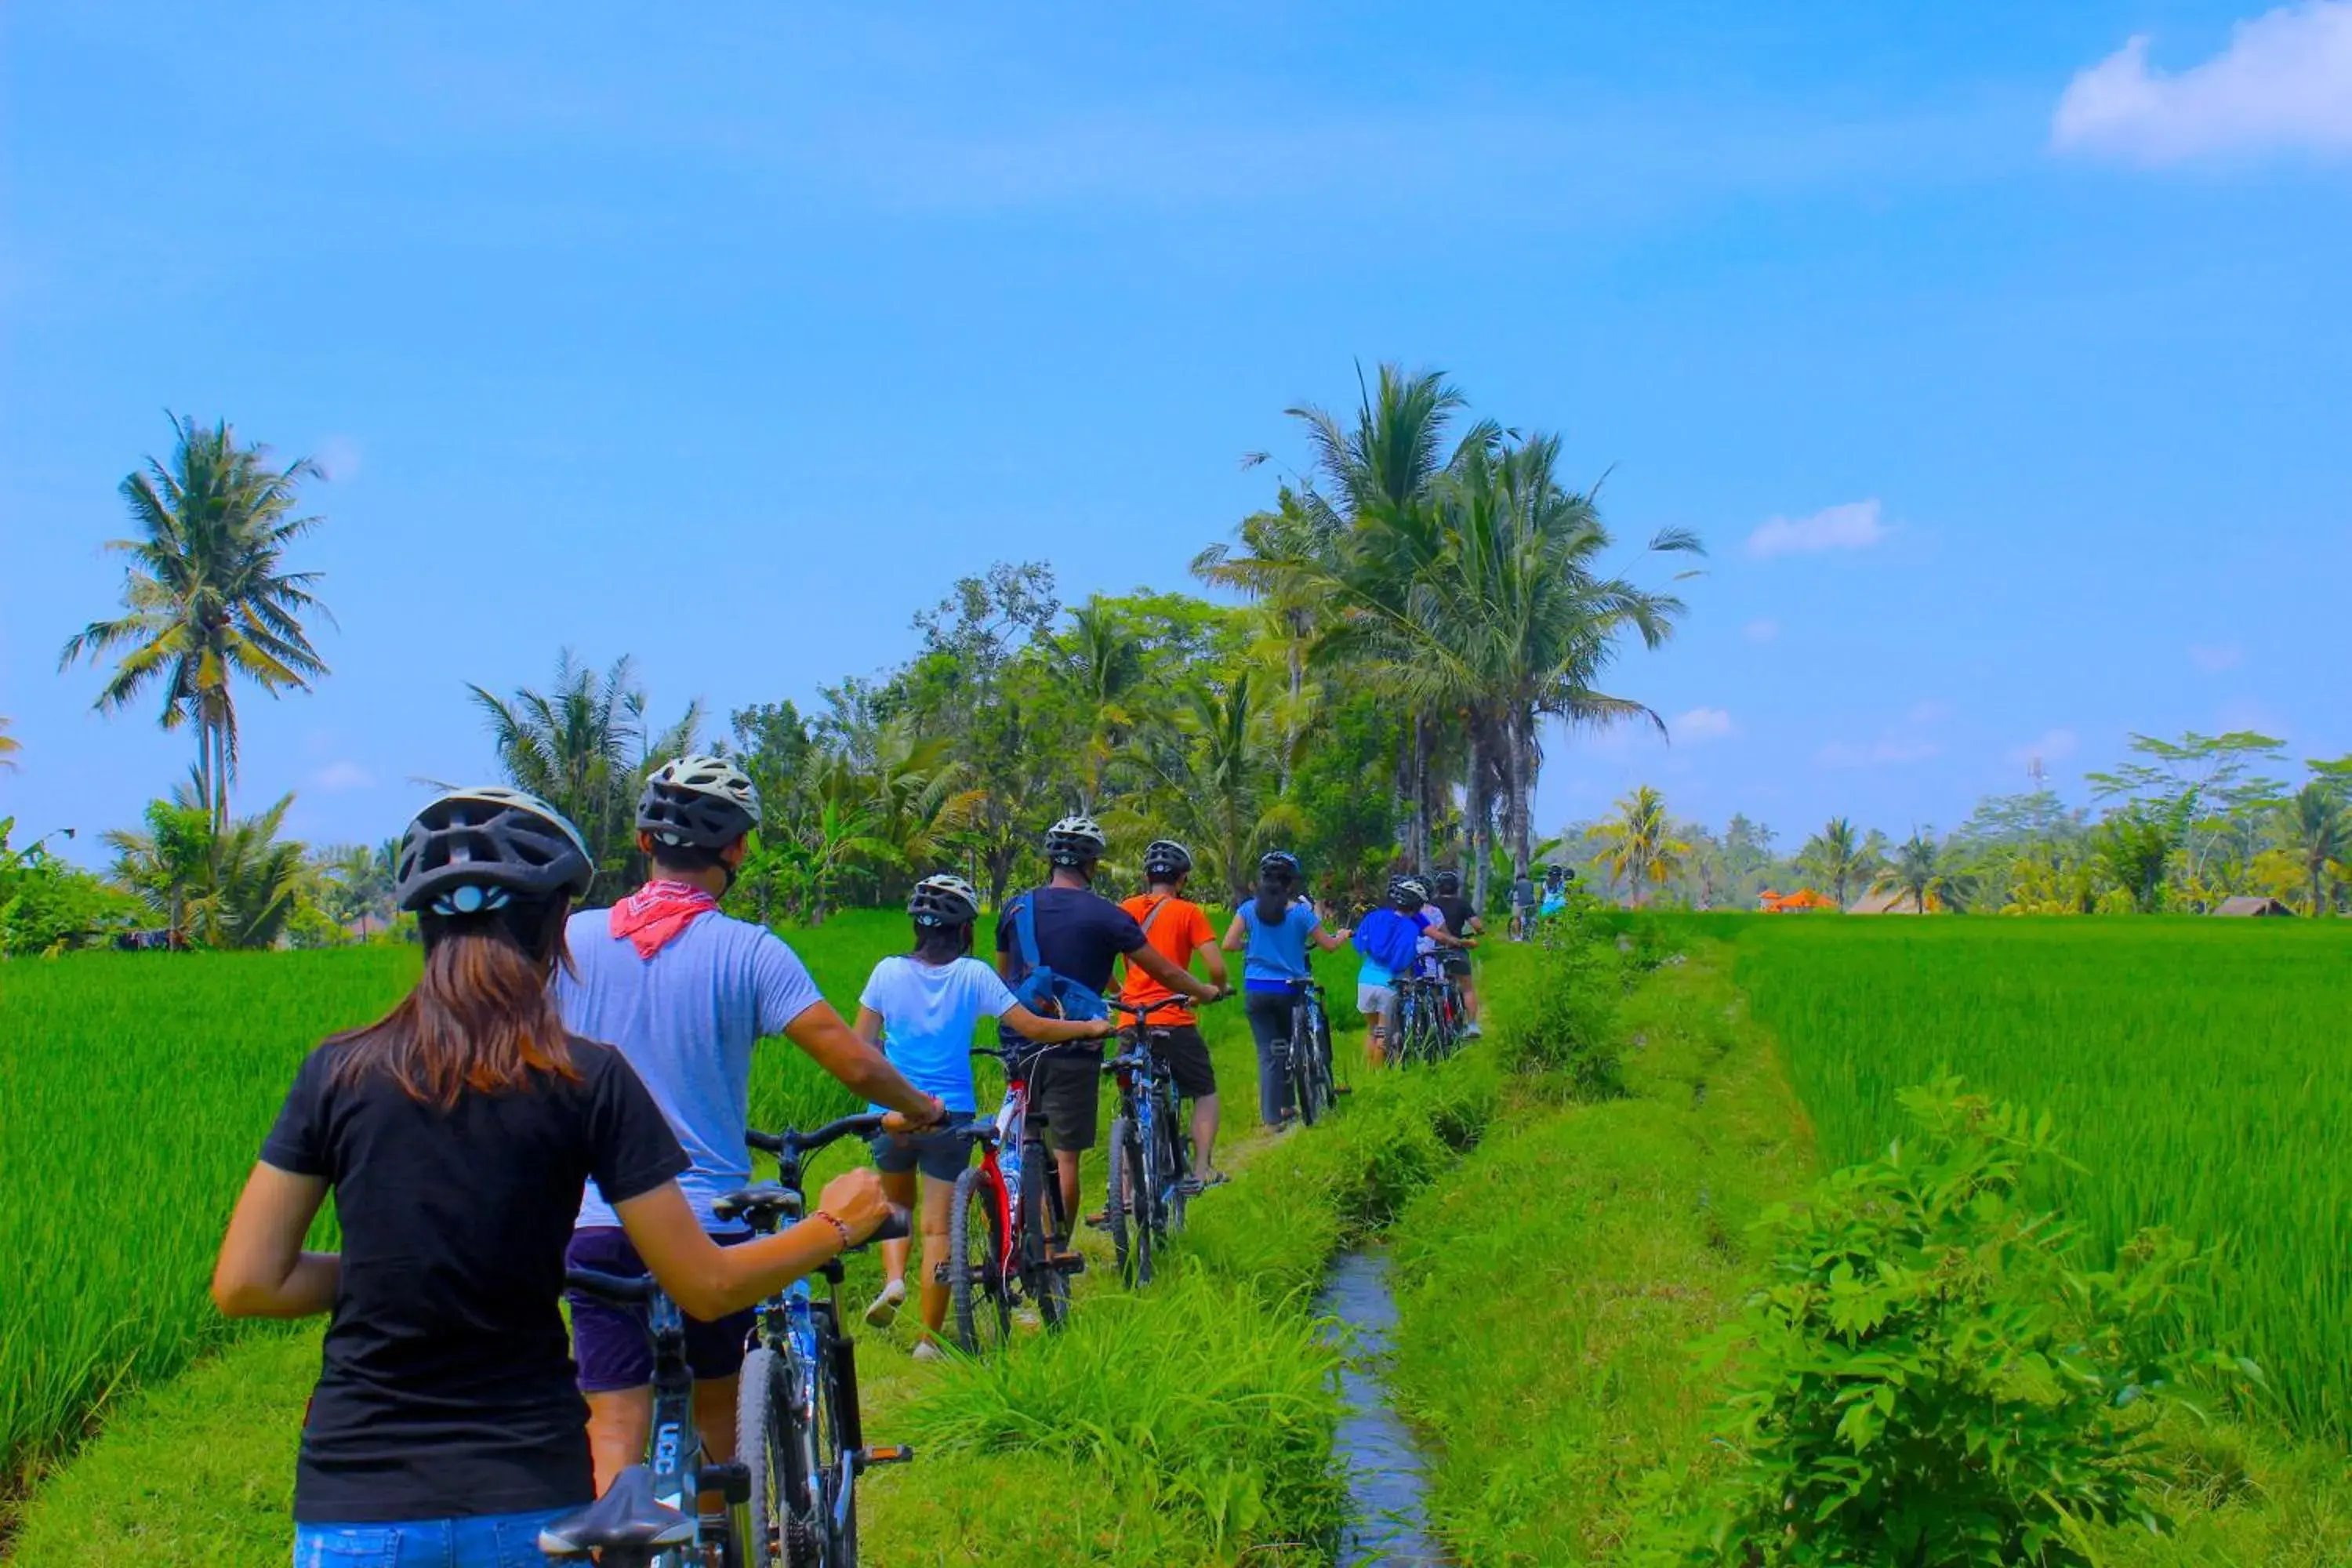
{"points": [[1384, 1465]]}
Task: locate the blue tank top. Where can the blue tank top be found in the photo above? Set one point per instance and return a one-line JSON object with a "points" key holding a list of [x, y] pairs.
{"points": [[1277, 954]]}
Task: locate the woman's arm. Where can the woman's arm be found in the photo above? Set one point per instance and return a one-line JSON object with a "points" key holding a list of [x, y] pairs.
{"points": [[263, 1271], [709, 1281], [1330, 941], [819, 1031], [1213, 960], [868, 1026], [1238, 935], [1056, 1031]]}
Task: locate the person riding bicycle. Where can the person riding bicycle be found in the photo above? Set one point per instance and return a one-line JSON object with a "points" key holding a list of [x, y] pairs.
{"points": [[1273, 930], [1056, 947], [1464, 923], [456, 1134], [1555, 892], [920, 1009], [1180, 928], [684, 992], [1390, 938]]}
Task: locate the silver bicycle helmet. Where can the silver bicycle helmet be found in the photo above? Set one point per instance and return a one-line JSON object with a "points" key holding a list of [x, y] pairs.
{"points": [[1075, 841], [473, 851], [1408, 890], [943, 901], [1165, 860], [704, 802], [1448, 883]]}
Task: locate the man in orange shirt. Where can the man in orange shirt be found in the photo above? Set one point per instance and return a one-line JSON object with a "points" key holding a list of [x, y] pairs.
{"points": [[1178, 927]]}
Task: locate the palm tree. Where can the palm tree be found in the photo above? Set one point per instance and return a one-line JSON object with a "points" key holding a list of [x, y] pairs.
{"points": [[208, 596], [9, 747], [1215, 769], [1104, 665], [1840, 855], [233, 889], [2317, 828], [1638, 843], [1923, 873]]}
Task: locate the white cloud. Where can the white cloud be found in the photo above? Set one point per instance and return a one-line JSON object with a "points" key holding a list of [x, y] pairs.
{"points": [[339, 777], [1853, 526], [1701, 725], [2215, 658], [1765, 630], [2284, 84], [2050, 746], [340, 455]]}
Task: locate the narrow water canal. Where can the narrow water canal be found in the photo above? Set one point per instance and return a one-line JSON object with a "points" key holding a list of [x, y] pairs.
{"points": [[1383, 1462]]}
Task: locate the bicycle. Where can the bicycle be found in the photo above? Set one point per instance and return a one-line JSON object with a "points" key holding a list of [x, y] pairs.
{"points": [[799, 1435], [1426, 1027], [1309, 1066], [1007, 1236], [1149, 1157], [789, 1496]]}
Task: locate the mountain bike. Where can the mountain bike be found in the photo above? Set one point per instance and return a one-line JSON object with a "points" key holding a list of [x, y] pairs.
{"points": [[1008, 1239], [1149, 1157], [1427, 1027], [799, 1435], [1311, 1085]]}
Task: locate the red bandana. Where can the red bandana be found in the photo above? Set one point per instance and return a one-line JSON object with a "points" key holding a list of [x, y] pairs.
{"points": [[653, 915]]}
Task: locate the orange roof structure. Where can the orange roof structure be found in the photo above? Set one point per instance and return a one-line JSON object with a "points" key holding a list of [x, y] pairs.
{"points": [[1797, 903]]}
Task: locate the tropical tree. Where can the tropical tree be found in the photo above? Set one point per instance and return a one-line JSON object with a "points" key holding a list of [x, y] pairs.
{"points": [[1638, 842], [208, 596], [9, 747], [234, 888], [355, 885], [1840, 855], [2136, 844], [1215, 768], [1103, 665], [2317, 828], [1923, 873]]}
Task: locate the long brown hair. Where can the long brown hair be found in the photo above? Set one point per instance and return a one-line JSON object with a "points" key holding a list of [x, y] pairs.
{"points": [[481, 1017]]}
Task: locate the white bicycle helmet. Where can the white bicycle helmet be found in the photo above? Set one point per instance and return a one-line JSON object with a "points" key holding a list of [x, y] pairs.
{"points": [[702, 801], [1075, 841], [945, 899]]}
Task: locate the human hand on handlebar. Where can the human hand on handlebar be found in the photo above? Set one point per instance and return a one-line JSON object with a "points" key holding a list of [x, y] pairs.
{"points": [[856, 1198], [1099, 1029], [899, 1124]]}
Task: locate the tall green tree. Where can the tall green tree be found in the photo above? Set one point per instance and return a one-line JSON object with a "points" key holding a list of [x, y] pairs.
{"points": [[1638, 843], [1217, 767], [2316, 827], [208, 596], [1921, 871], [232, 889], [1839, 855]]}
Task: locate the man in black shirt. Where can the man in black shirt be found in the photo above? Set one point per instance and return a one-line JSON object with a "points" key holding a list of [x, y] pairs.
{"points": [[1081, 935]]}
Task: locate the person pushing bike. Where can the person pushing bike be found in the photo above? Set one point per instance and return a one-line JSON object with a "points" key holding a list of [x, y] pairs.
{"points": [[1274, 930], [1464, 924], [1056, 947], [684, 992], [1178, 927], [457, 1134]]}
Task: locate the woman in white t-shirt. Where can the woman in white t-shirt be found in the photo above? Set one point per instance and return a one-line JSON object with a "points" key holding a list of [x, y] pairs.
{"points": [[921, 1010]]}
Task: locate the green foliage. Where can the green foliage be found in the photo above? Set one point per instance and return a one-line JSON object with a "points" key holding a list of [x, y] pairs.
{"points": [[236, 884], [1563, 1021], [1929, 1378], [48, 905]]}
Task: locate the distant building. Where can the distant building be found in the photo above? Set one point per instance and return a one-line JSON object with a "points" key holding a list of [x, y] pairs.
{"points": [[2247, 904], [1797, 903], [1886, 901]]}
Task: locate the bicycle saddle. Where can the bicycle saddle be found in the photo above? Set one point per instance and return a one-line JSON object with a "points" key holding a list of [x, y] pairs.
{"points": [[626, 1516], [764, 1205]]}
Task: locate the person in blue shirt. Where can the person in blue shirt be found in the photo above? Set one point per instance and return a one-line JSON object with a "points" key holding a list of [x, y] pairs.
{"points": [[1275, 930], [920, 1009], [1392, 941]]}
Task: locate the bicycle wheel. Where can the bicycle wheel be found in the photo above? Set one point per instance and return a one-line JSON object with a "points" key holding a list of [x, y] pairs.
{"points": [[1043, 1227], [1121, 1198], [760, 1448], [984, 1312], [1143, 1167], [841, 1439], [1302, 1068], [1175, 1158], [802, 1499]]}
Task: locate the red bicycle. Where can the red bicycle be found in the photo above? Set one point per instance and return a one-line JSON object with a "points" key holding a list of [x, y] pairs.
{"points": [[1008, 1238]]}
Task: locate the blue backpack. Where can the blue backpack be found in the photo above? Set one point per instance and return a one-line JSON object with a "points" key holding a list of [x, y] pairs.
{"points": [[1389, 939], [1040, 988]]}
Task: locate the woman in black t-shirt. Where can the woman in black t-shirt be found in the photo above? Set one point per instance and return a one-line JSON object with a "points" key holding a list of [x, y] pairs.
{"points": [[456, 1134]]}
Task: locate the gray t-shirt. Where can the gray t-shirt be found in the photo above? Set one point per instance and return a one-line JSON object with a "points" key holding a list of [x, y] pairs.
{"points": [[686, 1019]]}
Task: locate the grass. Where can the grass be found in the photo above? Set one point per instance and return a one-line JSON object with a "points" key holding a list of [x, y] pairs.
{"points": [[2195, 1069]]}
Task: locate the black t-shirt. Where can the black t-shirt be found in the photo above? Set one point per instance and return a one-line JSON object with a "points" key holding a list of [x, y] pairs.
{"points": [[1456, 910], [1080, 936], [447, 1387]]}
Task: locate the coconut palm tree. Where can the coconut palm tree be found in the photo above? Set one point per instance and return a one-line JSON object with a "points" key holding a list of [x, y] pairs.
{"points": [[1215, 767], [2317, 826], [1638, 843], [1922, 872], [1840, 855], [9, 747], [209, 597], [1103, 665], [233, 888]]}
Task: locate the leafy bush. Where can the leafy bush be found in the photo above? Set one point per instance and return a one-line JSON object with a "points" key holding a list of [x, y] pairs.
{"points": [[1563, 1021], [1930, 1379]]}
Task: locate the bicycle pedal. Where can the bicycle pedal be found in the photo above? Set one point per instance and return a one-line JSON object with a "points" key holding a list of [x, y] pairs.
{"points": [[730, 1480], [1068, 1263], [884, 1454], [1343, 1089]]}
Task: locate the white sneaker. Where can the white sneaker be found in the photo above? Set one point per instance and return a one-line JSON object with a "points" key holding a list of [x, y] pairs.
{"points": [[1027, 1320], [925, 1350], [1472, 1032], [885, 1307]]}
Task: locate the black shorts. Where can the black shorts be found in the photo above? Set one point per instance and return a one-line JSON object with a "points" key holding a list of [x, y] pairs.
{"points": [[1454, 962], [1066, 1094], [610, 1344], [1179, 1046], [940, 1157]]}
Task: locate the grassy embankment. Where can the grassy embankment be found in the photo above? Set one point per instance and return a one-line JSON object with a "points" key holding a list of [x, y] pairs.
{"points": [[1551, 1283], [1192, 1424]]}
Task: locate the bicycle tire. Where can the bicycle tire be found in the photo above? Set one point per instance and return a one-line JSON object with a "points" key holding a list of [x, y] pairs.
{"points": [[976, 1283], [1120, 1198], [1042, 1222], [1302, 1068], [1175, 1161], [760, 1448]]}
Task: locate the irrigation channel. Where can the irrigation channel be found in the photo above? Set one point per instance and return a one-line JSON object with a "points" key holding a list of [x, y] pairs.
{"points": [[1384, 1465]]}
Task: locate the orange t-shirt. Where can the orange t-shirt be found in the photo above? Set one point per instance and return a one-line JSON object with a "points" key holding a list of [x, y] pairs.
{"points": [[1181, 928]]}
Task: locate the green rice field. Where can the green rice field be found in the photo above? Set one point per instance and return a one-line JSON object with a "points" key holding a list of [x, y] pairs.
{"points": [[2200, 1070]]}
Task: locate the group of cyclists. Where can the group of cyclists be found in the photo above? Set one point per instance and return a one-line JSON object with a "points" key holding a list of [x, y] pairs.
{"points": [[570, 1089]]}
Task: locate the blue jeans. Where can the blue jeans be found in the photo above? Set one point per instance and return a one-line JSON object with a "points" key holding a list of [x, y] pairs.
{"points": [[486, 1541]]}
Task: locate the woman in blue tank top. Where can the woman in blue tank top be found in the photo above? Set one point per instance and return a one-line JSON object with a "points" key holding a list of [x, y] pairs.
{"points": [[1274, 930]]}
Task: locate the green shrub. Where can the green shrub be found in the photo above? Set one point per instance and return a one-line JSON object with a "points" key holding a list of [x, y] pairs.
{"points": [[1563, 1021], [1928, 1379]]}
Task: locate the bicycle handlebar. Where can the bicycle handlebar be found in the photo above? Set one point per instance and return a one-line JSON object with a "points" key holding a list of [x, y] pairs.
{"points": [[619, 1290], [864, 1125]]}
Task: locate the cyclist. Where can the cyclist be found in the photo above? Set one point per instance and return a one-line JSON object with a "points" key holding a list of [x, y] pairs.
{"points": [[920, 1009], [684, 992], [1554, 893], [1079, 936], [1178, 927], [1464, 923], [1273, 929], [456, 1134], [1390, 938], [1523, 907]]}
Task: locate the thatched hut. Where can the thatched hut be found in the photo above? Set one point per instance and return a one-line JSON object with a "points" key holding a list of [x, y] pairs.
{"points": [[2248, 904]]}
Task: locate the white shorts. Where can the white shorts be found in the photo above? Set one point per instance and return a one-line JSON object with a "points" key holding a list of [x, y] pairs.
{"points": [[1376, 1002]]}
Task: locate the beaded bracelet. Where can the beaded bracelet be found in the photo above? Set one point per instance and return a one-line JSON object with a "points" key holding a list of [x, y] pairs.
{"points": [[834, 1220]]}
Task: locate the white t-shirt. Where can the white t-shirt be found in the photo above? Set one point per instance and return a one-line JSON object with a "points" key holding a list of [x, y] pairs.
{"points": [[929, 1012]]}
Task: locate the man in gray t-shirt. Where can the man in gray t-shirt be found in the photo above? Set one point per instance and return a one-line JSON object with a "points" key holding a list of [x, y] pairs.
{"points": [[684, 992]]}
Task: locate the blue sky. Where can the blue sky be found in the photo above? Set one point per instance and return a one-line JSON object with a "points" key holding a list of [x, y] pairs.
{"points": [[2001, 358]]}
